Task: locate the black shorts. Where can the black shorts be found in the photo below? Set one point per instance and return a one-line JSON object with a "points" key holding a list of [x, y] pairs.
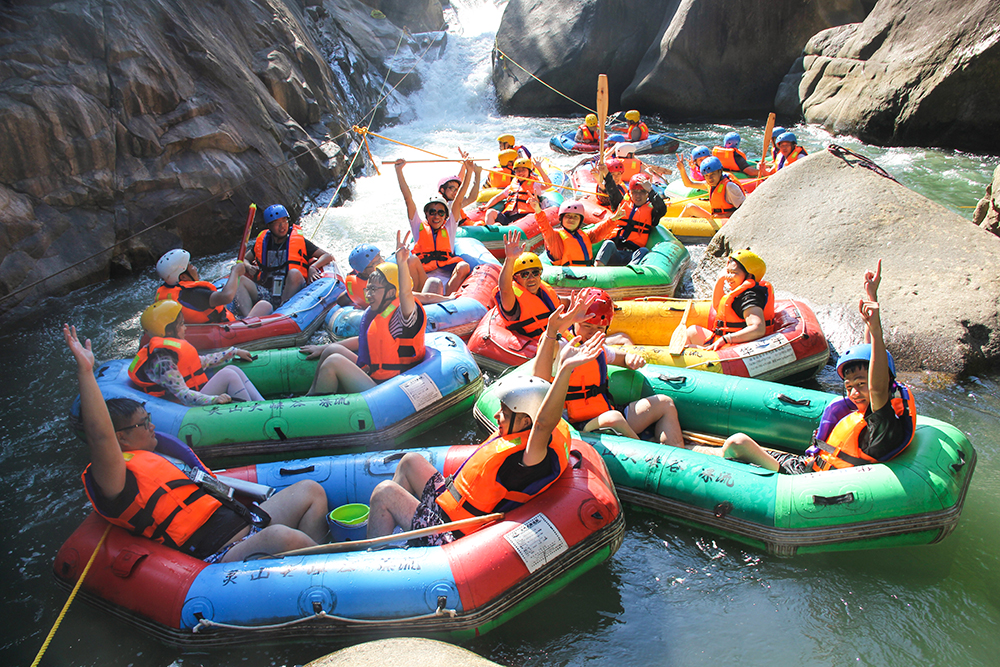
{"points": [[429, 513]]}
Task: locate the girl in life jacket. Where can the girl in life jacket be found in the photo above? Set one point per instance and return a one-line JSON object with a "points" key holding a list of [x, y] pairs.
{"points": [[725, 194], [169, 365], [589, 405], [569, 244], [742, 305], [530, 179], [697, 179]]}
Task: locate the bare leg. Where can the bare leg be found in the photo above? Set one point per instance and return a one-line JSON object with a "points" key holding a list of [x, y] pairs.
{"points": [[293, 283], [458, 276], [614, 420], [394, 502], [661, 411], [233, 381], [298, 519], [742, 447], [340, 375], [417, 273], [697, 336]]}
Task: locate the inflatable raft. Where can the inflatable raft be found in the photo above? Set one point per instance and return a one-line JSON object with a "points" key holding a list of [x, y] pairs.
{"points": [[916, 498], [795, 351], [456, 591], [656, 143], [290, 324], [443, 385]]}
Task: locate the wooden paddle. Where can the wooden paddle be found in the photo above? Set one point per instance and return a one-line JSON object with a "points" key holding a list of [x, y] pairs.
{"points": [[246, 233], [602, 112], [768, 129], [679, 337], [361, 545]]}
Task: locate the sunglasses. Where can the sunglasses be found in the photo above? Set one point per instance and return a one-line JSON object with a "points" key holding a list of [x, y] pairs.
{"points": [[437, 212], [529, 273], [145, 423]]}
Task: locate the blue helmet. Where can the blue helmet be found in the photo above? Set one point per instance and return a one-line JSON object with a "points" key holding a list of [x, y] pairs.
{"points": [[710, 165], [861, 353], [362, 256], [777, 132], [787, 136], [701, 151], [274, 212], [731, 140]]}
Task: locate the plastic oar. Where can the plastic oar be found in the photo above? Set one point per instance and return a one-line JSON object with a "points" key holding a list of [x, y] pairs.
{"points": [[679, 337], [602, 112], [361, 545]]}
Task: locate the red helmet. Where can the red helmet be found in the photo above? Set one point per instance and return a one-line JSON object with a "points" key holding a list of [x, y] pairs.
{"points": [[640, 181], [599, 305], [615, 166]]}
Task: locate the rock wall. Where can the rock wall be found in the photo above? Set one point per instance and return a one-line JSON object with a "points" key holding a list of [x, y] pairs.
{"points": [[914, 73], [120, 115], [414, 16], [821, 223], [987, 213]]}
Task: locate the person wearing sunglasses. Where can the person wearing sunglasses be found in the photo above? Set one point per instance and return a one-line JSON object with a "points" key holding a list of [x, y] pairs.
{"points": [[523, 299], [132, 485], [530, 179], [434, 246]]}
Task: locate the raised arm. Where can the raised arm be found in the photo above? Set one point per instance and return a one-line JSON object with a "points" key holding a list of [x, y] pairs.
{"points": [[228, 292], [559, 322], [407, 303], [411, 208], [542, 176], [107, 465], [458, 204], [513, 246], [872, 281], [878, 366], [553, 242]]}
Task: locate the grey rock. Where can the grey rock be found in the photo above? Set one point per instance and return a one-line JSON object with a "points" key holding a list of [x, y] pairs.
{"points": [[987, 213], [821, 223], [414, 16], [409, 651]]}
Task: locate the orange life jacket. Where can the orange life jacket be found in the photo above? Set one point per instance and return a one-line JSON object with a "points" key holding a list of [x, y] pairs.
{"points": [[717, 197], [841, 450], [188, 363], [728, 320], [500, 177], [295, 256], [635, 227], [587, 395], [433, 247], [727, 156], [534, 309], [643, 131], [577, 250], [167, 508], [382, 356], [587, 135], [516, 200], [632, 167], [356, 289], [192, 316], [796, 153], [474, 489]]}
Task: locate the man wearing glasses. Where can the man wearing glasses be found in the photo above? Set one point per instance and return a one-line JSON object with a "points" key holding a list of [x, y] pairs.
{"points": [[524, 300], [132, 485]]}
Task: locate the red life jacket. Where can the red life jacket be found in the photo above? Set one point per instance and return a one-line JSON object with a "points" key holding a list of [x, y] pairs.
{"points": [[433, 247], [587, 135], [382, 356], [295, 254], [167, 508], [474, 489], [717, 197], [635, 228], [842, 450], [192, 316], [188, 363], [643, 131], [587, 395], [577, 250], [727, 156], [534, 309], [727, 320], [796, 153], [356, 289]]}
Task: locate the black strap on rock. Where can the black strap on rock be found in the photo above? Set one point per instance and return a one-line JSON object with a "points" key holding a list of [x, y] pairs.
{"points": [[860, 160]]}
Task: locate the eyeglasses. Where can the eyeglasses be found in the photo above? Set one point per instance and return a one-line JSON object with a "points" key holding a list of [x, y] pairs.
{"points": [[440, 212], [373, 285], [529, 273], [145, 423]]}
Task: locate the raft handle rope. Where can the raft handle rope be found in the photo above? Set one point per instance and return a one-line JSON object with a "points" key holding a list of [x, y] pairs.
{"points": [[860, 160], [72, 595], [204, 623]]}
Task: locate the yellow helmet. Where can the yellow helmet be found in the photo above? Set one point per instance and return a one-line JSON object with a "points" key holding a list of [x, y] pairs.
{"points": [[632, 115], [390, 272], [590, 120], [506, 139], [527, 260], [159, 316], [751, 263], [506, 157], [523, 162]]}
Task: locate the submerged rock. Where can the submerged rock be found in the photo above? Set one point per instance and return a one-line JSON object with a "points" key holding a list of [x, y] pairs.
{"points": [[821, 223]]}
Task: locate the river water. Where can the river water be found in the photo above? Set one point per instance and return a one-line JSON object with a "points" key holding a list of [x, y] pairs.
{"points": [[671, 595]]}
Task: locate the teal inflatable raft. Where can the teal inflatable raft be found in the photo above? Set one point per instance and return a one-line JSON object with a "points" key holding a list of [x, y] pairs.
{"points": [[445, 384], [915, 498]]}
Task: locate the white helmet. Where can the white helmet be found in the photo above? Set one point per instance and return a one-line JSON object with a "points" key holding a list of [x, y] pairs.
{"points": [[172, 265], [624, 149], [522, 394]]}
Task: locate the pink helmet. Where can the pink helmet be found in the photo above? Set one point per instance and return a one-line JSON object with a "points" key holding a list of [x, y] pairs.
{"points": [[571, 206], [615, 166], [640, 181], [448, 179]]}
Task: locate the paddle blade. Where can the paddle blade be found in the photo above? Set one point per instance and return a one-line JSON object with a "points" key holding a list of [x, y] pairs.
{"points": [[602, 111], [768, 131], [246, 233], [679, 337]]}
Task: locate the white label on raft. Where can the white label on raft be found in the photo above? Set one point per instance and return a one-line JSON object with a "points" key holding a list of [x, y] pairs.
{"points": [[537, 541], [766, 354], [422, 391]]}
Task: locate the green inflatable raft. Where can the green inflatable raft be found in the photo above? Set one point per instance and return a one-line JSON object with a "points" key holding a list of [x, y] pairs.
{"points": [[916, 498]]}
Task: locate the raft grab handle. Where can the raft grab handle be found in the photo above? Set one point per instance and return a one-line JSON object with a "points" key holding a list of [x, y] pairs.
{"points": [[842, 499], [961, 461], [666, 378], [805, 402], [296, 471]]}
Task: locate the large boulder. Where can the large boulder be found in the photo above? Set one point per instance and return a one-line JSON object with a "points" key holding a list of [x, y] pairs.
{"points": [[567, 46], [914, 73], [821, 223], [987, 213], [169, 116], [724, 59]]}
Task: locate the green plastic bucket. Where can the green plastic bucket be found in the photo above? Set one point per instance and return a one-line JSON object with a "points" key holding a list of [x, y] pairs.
{"points": [[348, 522]]}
